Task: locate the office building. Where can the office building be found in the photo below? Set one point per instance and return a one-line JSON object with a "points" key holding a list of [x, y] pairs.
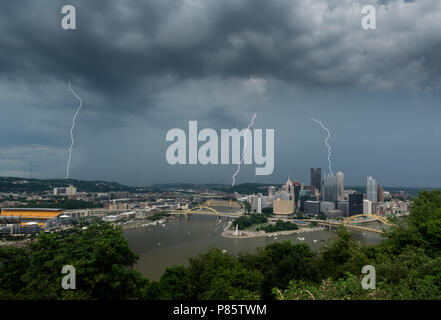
{"points": [[304, 195], [297, 187], [380, 193], [343, 206], [68, 191], [355, 204], [256, 206], [312, 207], [283, 207], [59, 191], [367, 207], [314, 190], [340, 185], [330, 188], [316, 178], [326, 206], [371, 189]]}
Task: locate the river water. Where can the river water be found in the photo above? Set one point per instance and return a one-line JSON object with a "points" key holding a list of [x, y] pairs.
{"points": [[172, 243]]}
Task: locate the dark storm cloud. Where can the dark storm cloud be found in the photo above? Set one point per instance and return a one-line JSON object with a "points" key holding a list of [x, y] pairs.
{"points": [[145, 66], [129, 51]]}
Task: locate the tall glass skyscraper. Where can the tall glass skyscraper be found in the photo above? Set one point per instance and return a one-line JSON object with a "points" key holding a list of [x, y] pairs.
{"points": [[340, 185], [371, 189], [330, 188]]}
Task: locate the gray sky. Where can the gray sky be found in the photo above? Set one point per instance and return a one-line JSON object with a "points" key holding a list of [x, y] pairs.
{"points": [[144, 67]]}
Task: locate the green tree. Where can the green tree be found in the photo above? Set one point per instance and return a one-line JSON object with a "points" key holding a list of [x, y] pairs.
{"points": [[421, 229], [281, 262], [218, 275], [175, 284], [341, 255], [103, 262]]}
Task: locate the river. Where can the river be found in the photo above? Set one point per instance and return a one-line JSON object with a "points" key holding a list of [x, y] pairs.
{"points": [[172, 243]]}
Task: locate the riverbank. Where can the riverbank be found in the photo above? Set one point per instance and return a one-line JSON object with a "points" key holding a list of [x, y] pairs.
{"points": [[143, 223], [245, 234], [18, 244]]}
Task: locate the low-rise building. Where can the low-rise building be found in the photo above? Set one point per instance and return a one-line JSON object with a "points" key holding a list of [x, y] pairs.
{"points": [[312, 207], [283, 207]]}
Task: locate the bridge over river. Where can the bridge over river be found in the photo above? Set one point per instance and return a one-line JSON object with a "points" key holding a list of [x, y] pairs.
{"points": [[229, 208], [225, 208], [357, 222]]}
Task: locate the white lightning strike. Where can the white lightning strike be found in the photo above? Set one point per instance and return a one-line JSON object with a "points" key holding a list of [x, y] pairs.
{"points": [[326, 141], [71, 131], [243, 152]]}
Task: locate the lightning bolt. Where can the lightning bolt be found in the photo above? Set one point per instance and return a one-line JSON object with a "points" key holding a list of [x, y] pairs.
{"points": [[243, 152], [71, 131], [326, 141]]}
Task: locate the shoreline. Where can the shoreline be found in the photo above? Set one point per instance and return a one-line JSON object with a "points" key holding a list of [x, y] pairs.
{"points": [[230, 234], [17, 243], [143, 223]]}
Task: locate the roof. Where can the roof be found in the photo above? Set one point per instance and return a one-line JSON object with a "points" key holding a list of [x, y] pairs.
{"points": [[32, 209], [31, 213]]}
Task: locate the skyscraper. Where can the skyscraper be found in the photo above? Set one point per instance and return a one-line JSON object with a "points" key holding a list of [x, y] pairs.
{"points": [[340, 185], [316, 178], [380, 193], [330, 188], [355, 204], [371, 189]]}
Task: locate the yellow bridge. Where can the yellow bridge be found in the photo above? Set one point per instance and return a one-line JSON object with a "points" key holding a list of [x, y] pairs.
{"points": [[371, 216], [215, 207], [349, 222]]}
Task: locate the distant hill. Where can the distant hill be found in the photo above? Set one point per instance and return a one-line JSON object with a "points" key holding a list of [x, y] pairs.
{"points": [[16, 185], [254, 188], [244, 188]]}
